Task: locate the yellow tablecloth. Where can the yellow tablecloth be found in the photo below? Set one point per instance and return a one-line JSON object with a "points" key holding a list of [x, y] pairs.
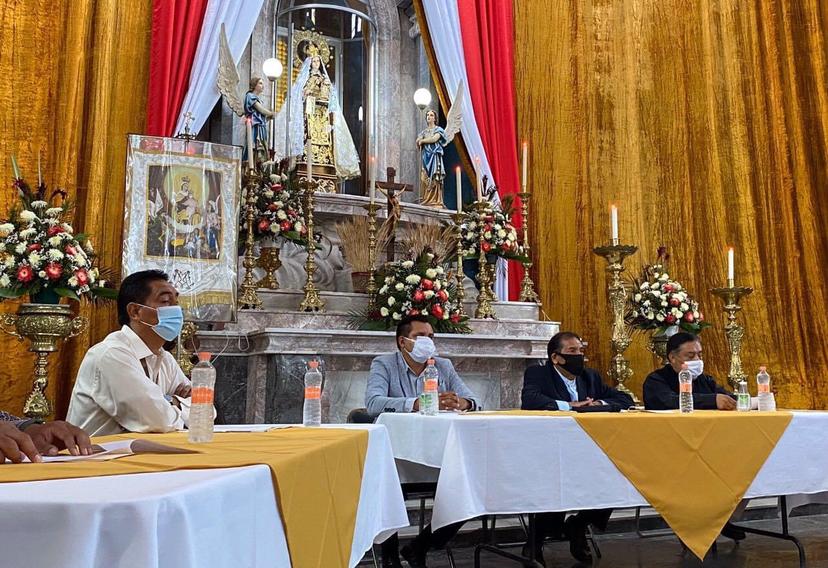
{"points": [[317, 474], [692, 468]]}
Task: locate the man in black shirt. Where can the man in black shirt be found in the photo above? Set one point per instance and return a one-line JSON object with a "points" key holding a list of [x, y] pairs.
{"points": [[661, 387]]}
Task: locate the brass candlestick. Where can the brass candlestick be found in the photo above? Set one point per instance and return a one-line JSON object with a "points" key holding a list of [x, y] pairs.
{"points": [[183, 353], [734, 332], [615, 254], [527, 287], [371, 288], [248, 297], [459, 217], [486, 295], [269, 261], [311, 302]]}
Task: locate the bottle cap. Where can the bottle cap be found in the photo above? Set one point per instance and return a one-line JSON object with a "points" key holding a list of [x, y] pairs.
{"points": [[313, 364], [431, 360], [763, 369], [204, 355]]}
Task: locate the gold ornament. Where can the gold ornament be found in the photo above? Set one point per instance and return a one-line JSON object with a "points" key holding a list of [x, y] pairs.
{"points": [[371, 286], [484, 277], [249, 299], [459, 217], [184, 355], [734, 332], [527, 287], [269, 261], [311, 301]]}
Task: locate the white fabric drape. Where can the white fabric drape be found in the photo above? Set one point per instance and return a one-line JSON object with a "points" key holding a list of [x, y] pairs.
{"points": [[239, 18], [443, 20]]}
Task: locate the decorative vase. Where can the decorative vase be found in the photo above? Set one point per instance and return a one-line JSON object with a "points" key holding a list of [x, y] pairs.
{"points": [[43, 325], [360, 281], [658, 343], [45, 296], [269, 261]]}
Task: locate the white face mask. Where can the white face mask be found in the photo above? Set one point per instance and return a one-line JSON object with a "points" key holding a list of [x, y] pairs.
{"points": [[696, 367], [423, 349]]}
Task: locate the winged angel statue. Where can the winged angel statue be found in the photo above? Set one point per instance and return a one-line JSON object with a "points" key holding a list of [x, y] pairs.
{"points": [[431, 142], [250, 106]]}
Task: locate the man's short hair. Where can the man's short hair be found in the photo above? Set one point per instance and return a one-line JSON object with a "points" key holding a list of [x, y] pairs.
{"points": [[404, 327], [676, 341], [554, 345], [136, 288]]}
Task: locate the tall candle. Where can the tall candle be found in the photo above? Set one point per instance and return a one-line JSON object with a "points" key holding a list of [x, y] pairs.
{"points": [[250, 162], [525, 165], [459, 189], [730, 267], [614, 216], [478, 178], [39, 172], [309, 156], [372, 173]]}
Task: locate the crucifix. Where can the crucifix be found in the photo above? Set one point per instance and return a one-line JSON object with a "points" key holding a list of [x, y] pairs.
{"points": [[392, 191]]}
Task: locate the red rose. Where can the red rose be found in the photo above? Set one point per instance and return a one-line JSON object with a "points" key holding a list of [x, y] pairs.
{"points": [[264, 225], [54, 230], [688, 317], [667, 288], [285, 226], [33, 247], [670, 319], [437, 310], [82, 276], [427, 284], [303, 231], [675, 302], [701, 317], [54, 270], [419, 296], [25, 274], [506, 245], [442, 295], [276, 187], [70, 250], [455, 318], [414, 312], [291, 212], [272, 207], [486, 246]]}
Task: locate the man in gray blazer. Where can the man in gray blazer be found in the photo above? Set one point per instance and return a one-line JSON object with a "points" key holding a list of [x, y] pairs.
{"points": [[394, 383]]}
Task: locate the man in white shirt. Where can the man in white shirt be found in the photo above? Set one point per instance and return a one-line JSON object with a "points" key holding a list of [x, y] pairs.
{"points": [[129, 382]]}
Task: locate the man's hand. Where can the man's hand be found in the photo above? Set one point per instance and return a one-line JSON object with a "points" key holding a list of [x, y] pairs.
{"points": [[52, 437], [580, 403], [416, 407], [450, 401], [725, 402], [184, 390], [14, 444]]}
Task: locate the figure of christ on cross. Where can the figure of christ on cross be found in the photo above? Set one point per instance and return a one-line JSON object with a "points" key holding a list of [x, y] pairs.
{"points": [[392, 191]]}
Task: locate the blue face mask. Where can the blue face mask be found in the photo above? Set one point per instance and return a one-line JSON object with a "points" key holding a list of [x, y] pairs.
{"points": [[170, 321]]}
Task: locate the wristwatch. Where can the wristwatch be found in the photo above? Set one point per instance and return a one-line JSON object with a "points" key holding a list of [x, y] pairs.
{"points": [[26, 423]]}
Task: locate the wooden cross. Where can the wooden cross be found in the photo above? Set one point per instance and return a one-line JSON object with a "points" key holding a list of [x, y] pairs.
{"points": [[391, 190]]}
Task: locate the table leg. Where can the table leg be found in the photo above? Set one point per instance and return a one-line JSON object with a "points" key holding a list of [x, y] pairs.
{"points": [[523, 560], [784, 535]]}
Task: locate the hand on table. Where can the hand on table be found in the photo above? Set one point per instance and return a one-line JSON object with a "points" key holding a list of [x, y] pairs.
{"points": [[15, 444], [587, 402], [725, 402], [52, 437], [450, 401], [184, 390]]}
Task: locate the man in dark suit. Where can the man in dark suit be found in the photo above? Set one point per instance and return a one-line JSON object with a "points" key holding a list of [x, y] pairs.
{"points": [[563, 383]]}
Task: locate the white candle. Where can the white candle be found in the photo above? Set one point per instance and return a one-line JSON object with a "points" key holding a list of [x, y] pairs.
{"points": [[479, 180], [459, 189], [309, 156], [250, 162], [730, 267], [372, 173], [39, 173], [525, 165], [614, 216]]}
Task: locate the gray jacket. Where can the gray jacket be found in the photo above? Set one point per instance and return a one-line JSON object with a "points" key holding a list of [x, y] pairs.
{"points": [[393, 387]]}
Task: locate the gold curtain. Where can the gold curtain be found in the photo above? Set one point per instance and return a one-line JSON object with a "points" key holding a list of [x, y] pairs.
{"points": [[706, 122], [73, 76]]}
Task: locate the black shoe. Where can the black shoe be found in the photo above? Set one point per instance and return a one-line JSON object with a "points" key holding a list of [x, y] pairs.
{"points": [[578, 546], [391, 562], [416, 558], [733, 532], [538, 553]]}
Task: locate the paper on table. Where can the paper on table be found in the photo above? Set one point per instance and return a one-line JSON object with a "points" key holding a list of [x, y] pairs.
{"points": [[114, 450], [671, 411], [250, 427]]}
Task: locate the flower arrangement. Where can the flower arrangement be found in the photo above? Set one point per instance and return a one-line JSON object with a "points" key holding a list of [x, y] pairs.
{"points": [[40, 252], [410, 288], [659, 302], [489, 227], [278, 211]]}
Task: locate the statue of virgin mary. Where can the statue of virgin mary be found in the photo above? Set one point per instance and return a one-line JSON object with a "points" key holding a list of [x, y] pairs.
{"points": [[316, 123]]}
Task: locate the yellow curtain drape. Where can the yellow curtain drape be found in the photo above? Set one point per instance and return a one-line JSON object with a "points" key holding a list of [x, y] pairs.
{"points": [[706, 122], [73, 76]]}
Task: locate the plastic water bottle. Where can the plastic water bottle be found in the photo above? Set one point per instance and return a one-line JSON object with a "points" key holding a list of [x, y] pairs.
{"points": [[685, 389], [766, 399], [743, 398], [203, 377], [312, 412], [430, 397]]}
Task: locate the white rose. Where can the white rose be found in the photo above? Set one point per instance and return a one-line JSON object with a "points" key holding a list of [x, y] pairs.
{"points": [[391, 301], [637, 297], [281, 215], [656, 294], [650, 315], [54, 241], [437, 285], [663, 304], [20, 248], [664, 277], [472, 225], [297, 226], [6, 228], [268, 193], [275, 228], [388, 280], [88, 246], [73, 282], [54, 254], [645, 285], [408, 264], [440, 270], [659, 317], [428, 294], [502, 234], [383, 290], [412, 279], [399, 287], [27, 215], [5, 281], [646, 303], [487, 234], [431, 273], [384, 312], [42, 274], [684, 307], [696, 315], [9, 260], [396, 316], [445, 315], [34, 259]]}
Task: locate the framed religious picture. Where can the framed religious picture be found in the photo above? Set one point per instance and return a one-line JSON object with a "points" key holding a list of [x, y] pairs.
{"points": [[181, 216]]}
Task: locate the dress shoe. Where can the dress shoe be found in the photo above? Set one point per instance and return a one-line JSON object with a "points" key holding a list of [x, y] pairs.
{"points": [[578, 546], [538, 553], [415, 557], [733, 532], [391, 562]]}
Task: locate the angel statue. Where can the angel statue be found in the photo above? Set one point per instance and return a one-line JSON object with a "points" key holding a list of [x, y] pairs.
{"points": [[431, 143], [250, 106], [317, 125]]}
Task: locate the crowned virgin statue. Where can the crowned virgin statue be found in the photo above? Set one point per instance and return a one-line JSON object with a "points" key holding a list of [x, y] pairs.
{"points": [[431, 143], [316, 125]]}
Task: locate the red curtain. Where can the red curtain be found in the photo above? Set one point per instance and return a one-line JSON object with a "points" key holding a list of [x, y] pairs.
{"points": [[176, 27], [487, 27]]}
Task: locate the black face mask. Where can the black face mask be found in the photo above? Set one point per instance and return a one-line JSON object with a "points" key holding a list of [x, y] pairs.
{"points": [[574, 364]]}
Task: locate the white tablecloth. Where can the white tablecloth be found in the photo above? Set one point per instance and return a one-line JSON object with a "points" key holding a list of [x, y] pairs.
{"points": [[180, 519], [521, 464]]}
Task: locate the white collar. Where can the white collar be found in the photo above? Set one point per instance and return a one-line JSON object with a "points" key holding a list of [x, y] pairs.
{"points": [[561, 375], [139, 348]]}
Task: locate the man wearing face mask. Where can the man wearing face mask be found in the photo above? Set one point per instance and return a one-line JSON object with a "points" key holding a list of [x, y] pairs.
{"points": [[128, 382], [564, 383], [661, 387]]}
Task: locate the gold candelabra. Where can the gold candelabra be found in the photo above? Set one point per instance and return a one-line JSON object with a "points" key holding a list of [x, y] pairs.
{"points": [[270, 263], [731, 295], [249, 299], [486, 295], [527, 287], [312, 302], [614, 254], [371, 288], [459, 217], [183, 354]]}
